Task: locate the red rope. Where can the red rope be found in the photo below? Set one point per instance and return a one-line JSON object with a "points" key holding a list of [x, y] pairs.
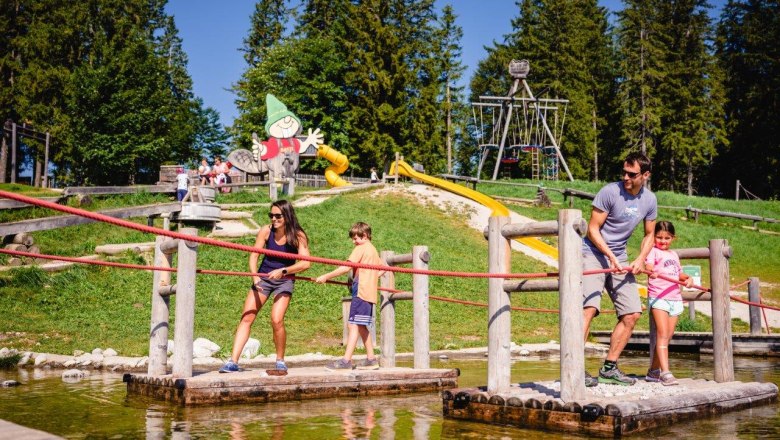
{"points": [[227, 245]]}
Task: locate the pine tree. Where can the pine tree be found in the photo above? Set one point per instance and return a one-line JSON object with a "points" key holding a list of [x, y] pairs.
{"points": [[267, 28], [749, 50]]}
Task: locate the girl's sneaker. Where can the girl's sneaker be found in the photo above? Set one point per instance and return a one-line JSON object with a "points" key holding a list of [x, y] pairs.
{"points": [[229, 367], [668, 379], [653, 375]]}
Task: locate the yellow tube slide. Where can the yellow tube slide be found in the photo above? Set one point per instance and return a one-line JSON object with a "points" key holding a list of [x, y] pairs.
{"points": [[497, 209], [340, 164]]}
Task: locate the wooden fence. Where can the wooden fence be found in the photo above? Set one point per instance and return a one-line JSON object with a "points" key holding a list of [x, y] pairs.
{"points": [[570, 228]]}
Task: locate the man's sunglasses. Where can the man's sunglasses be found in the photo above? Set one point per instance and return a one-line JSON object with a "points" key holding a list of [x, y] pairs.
{"points": [[630, 174], [274, 216]]}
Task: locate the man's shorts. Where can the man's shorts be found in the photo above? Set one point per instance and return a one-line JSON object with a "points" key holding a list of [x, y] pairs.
{"points": [[620, 287], [270, 287], [360, 311], [673, 307]]}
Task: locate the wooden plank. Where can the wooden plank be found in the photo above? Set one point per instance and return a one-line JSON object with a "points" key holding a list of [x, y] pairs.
{"points": [[14, 204], [107, 190], [46, 223]]}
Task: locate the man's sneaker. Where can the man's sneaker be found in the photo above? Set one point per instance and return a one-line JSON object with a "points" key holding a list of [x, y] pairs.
{"points": [[653, 375], [229, 367], [338, 365], [668, 379], [590, 381], [615, 376], [369, 364], [280, 365]]}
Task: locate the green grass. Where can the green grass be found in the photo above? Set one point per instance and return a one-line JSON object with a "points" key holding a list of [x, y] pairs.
{"points": [[87, 306]]}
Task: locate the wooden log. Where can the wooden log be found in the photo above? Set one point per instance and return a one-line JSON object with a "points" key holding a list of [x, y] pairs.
{"points": [[34, 249], [696, 296], [387, 317], [185, 305], [499, 317], [722, 349], [158, 335], [16, 247], [532, 229], [570, 300], [14, 262], [23, 238], [170, 246], [693, 253], [396, 259], [420, 306], [120, 248], [167, 290], [539, 285]]}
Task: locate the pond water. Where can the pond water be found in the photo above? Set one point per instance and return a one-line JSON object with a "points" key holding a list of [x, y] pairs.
{"points": [[98, 407]]}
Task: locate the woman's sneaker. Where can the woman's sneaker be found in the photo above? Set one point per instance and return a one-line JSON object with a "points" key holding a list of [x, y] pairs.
{"points": [[668, 379], [229, 367], [369, 364], [615, 376], [340, 364], [653, 375]]}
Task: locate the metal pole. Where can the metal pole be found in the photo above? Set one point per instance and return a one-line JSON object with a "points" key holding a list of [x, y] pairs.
{"points": [[509, 105]]}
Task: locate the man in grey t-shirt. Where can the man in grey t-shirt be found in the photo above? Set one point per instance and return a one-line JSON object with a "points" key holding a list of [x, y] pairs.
{"points": [[617, 209]]}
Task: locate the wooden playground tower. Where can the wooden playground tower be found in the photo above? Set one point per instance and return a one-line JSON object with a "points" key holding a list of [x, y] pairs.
{"points": [[528, 124]]}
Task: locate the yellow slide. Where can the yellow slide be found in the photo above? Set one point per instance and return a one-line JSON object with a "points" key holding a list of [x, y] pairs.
{"points": [[498, 210], [340, 164]]}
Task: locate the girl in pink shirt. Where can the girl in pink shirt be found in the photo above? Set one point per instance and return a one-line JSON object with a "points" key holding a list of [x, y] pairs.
{"points": [[664, 300]]}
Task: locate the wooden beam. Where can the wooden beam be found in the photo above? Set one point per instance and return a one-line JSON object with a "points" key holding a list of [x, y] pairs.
{"points": [[106, 190], [43, 224], [13, 204]]}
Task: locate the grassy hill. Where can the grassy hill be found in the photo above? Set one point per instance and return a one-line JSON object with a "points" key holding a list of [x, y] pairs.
{"points": [[88, 306]]}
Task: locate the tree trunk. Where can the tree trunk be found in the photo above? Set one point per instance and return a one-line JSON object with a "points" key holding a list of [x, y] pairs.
{"points": [[595, 148], [690, 179], [449, 131]]}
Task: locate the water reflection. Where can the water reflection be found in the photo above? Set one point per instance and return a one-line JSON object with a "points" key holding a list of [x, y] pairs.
{"points": [[98, 407]]}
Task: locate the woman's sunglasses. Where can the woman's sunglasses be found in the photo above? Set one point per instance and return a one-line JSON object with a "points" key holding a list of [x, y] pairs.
{"points": [[274, 216]]}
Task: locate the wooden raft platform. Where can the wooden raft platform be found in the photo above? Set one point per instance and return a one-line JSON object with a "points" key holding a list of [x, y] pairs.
{"points": [[252, 386], [538, 406]]}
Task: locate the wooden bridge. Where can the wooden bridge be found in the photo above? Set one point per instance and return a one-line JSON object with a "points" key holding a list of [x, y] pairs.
{"points": [[701, 342]]}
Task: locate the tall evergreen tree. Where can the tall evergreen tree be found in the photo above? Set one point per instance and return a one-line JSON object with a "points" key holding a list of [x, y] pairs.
{"points": [[749, 49], [267, 28]]}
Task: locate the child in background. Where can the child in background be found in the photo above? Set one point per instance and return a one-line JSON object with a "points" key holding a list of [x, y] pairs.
{"points": [[664, 300], [182, 183], [364, 296]]}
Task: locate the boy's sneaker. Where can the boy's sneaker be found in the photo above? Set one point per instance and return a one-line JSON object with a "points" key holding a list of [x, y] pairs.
{"points": [[369, 364], [668, 379], [590, 381], [229, 367], [339, 365], [653, 375], [615, 376]]}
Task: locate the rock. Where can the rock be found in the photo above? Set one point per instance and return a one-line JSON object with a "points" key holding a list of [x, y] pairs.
{"points": [[69, 363], [97, 351], [4, 352], [170, 347], [9, 383], [86, 363], [203, 348], [40, 360], [142, 362], [109, 352], [251, 348], [77, 353], [525, 352], [443, 356], [24, 360]]}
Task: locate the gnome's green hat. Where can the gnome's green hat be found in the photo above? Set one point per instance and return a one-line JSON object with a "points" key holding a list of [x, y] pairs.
{"points": [[276, 111]]}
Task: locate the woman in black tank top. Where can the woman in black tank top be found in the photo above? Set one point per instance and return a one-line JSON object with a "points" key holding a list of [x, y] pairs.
{"points": [[284, 234]]}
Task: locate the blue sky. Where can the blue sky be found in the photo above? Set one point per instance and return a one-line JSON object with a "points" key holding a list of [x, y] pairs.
{"points": [[213, 32]]}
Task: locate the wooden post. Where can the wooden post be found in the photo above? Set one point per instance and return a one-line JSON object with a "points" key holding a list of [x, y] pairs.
{"points": [[570, 300], [13, 152], [422, 337], [166, 216], [692, 310], [722, 349], [736, 194], [387, 317], [3, 154], [45, 181], [158, 336], [185, 306], [499, 318], [754, 296], [272, 193], [288, 187]]}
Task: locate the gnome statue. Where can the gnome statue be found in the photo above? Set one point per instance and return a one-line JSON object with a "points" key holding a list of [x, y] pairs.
{"points": [[278, 155]]}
